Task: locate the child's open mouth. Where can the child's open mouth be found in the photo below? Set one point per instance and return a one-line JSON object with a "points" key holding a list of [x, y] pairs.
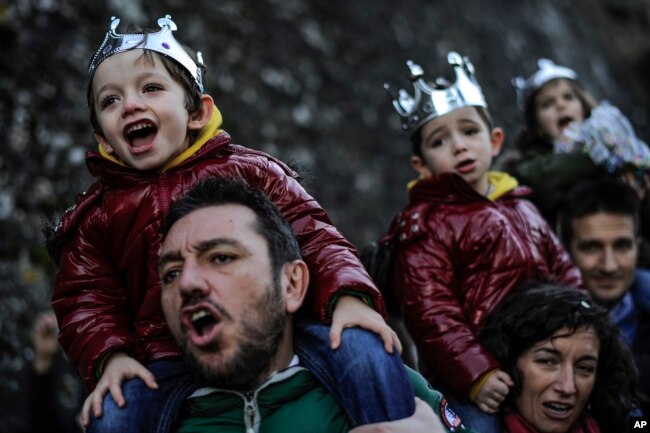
{"points": [[563, 122], [466, 166], [139, 135]]}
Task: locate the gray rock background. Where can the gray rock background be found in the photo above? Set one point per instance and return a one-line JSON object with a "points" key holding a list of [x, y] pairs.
{"points": [[299, 79]]}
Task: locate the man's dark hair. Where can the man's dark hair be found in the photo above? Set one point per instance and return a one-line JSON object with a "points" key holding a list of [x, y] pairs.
{"points": [[595, 196], [269, 223], [534, 314]]}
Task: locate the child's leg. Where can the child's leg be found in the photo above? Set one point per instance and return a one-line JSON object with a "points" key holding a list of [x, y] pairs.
{"points": [[369, 383], [470, 414], [143, 405]]}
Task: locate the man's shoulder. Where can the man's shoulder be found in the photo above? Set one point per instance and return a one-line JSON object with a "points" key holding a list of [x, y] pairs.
{"points": [[641, 288]]}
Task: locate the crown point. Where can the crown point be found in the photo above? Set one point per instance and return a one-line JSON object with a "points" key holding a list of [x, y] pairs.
{"points": [[167, 23], [453, 58], [199, 57], [162, 41], [416, 70], [114, 23], [518, 82]]}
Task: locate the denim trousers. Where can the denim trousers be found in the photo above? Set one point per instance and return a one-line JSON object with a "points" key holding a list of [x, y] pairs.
{"points": [[470, 414], [370, 384], [143, 404]]}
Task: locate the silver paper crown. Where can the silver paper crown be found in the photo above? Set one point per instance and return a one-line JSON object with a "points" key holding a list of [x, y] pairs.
{"points": [[547, 71], [162, 42], [429, 102]]}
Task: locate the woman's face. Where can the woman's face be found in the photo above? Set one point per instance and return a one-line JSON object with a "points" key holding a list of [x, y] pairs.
{"points": [[558, 376]]}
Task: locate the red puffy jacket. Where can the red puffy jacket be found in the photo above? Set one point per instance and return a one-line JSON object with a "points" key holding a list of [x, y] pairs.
{"points": [[107, 294], [458, 255]]}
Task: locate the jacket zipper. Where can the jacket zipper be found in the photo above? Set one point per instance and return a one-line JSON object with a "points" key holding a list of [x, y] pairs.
{"points": [[249, 412]]}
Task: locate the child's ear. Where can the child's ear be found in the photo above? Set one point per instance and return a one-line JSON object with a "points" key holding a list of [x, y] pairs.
{"points": [[198, 120], [101, 140], [496, 140], [420, 166]]}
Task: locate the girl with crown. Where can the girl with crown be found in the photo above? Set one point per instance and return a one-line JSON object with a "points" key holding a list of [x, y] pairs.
{"points": [[568, 137]]}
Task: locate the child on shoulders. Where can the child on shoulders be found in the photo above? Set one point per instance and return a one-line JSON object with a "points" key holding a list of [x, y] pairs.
{"points": [[467, 238]]}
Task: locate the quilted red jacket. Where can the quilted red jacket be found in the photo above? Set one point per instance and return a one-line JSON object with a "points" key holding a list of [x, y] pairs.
{"points": [[458, 254], [107, 293]]}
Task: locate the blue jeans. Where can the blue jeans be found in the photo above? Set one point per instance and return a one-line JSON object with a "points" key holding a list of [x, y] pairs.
{"points": [[143, 404], [470, 414], [370, 384]]}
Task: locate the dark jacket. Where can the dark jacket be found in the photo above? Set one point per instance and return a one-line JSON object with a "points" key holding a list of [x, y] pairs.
{"points": [[291, 400], [640, 290], [107, 294], [551, 175], [458, 255]]}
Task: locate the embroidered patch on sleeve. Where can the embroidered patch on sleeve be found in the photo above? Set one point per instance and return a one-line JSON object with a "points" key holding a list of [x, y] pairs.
{"points": [[449, 417]]}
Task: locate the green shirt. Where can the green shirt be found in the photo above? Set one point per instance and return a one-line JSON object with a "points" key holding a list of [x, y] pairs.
{"points": [[290, 401]]}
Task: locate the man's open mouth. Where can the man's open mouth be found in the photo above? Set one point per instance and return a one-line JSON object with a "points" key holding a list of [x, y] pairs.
{"points": [[202, 321]]}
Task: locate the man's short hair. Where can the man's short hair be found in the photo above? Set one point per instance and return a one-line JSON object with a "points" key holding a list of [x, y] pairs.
{"points": [[596, 196], [269, 223]]}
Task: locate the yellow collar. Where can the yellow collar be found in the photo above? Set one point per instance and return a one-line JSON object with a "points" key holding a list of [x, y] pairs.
{"points": [[209, 130], [499, 183]]}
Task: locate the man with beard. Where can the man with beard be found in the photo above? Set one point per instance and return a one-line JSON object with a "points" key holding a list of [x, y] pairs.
{"points": [[599, 225], [233, 281]]}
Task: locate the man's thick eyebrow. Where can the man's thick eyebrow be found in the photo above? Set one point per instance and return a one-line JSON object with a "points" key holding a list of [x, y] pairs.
{"points": [[208, 244], [171, 256], [201, 247], [590, 241]]}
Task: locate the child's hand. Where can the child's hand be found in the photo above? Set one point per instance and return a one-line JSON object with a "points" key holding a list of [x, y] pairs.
{"points": [[423, 420], [118, 367], [350, 311], [493, 392]]}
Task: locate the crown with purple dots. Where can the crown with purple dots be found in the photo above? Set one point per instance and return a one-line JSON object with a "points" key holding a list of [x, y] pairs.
{"points": [[161, 41]]}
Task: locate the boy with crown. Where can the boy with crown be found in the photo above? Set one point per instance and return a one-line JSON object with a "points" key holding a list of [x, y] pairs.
{"points": [[466, 240], [158, 135]]}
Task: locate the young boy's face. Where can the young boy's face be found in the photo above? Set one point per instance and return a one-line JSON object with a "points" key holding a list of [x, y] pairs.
{"points": [[556, 106], [141, 110], [459, 142]]}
